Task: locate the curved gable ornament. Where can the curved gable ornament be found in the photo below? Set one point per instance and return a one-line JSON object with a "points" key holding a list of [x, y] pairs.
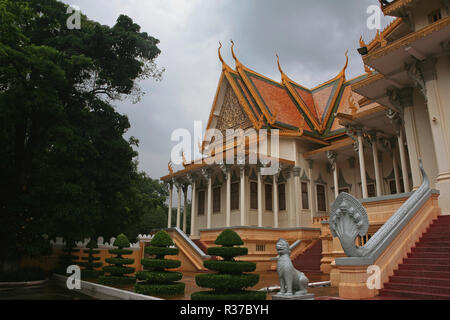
{"points": [[348, 219]]}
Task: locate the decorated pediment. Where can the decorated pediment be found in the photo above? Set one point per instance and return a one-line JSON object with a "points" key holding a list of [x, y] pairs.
{"points": [[232, 115]]}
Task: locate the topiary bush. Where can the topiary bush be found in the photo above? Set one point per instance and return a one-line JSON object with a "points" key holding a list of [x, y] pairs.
{"points": [[229, 282], [90, 262], [117, 270], [156, 280], [67, 258]]}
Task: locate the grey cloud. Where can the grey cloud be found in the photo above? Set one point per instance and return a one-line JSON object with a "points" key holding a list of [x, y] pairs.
{"points": [[311, 38]]}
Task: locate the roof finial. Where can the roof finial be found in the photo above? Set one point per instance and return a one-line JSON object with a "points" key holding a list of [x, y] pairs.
{"points": [[342, 74], [361, 42], [283, 75], [238, 63], [220, 55]]}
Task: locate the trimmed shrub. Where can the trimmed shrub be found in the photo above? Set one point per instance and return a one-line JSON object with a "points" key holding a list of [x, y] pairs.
{"points": [[156, 280], [90, 262], [230, 281], [67, 258], [117, 271]]}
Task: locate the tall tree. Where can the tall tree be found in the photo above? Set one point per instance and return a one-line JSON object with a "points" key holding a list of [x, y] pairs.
{"points": [[66, 168]]}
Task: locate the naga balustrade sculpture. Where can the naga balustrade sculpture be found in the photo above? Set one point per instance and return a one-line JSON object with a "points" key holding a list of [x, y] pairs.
{"points": [[348, 220]]}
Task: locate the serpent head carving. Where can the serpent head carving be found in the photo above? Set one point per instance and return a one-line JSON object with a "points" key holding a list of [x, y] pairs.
{"points": [[348, 220]]}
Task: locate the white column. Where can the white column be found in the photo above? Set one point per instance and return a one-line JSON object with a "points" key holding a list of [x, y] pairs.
{"points": [[228, 204], [179, 205], [362, 165], [331, 155], [260, 202], [242, 195], [312, 202], [401, 148], [395, 166], [275, 201], [412, 138], [297, 196], [209, 203], [436, 73], [193, 208], [169, 214], [376, 163], [185, 190]]}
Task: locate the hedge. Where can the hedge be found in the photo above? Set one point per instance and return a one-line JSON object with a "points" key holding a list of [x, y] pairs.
{"points": [[117, 271], [226, 281], [161, 263], [230, 281], [119, 261], [159, 277], [161, 251], [120, 252], [232, 267], [156, 280], [229, 238], [161, 290], [89, 262]]}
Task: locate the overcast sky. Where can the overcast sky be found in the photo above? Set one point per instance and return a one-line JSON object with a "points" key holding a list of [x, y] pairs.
{"points": [[310, 36]]}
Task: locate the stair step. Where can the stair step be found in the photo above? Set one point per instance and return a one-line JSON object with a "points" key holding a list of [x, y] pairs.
{"points": [[430, 255], [442, 229], [422, 273], [435, 238], [417, 288], [435, 233], [430, 249], [436, 282], [424, 267], [444, 244], [434, 261], [413, 294]]}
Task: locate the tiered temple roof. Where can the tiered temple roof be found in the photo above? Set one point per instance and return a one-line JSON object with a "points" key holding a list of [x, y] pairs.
{"points": [[288, 106]]}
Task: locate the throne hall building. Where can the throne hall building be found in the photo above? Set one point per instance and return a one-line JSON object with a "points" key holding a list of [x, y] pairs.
{"points": [[363, 136]]}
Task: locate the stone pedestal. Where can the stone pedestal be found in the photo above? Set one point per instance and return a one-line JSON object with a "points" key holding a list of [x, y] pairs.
{"points": [[307, 296]]}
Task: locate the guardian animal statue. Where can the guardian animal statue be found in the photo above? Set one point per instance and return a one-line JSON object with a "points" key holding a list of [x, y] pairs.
{"points": [[292, 281]]}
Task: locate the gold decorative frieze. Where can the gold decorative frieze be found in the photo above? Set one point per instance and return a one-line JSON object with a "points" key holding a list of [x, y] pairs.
{"points": [[232, 115]]}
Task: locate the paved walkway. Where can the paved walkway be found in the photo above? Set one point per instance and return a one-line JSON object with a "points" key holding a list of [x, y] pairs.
{"points": [[267, 279]]}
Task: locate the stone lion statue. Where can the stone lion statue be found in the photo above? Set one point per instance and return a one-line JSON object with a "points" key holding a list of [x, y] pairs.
{"points": [[292, 281]]}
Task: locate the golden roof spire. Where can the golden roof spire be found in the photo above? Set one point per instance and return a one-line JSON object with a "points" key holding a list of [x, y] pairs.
{"points": [[283, 75], [220, 56], [342, 73], [361, 42], [224, 64], [238, 63]]}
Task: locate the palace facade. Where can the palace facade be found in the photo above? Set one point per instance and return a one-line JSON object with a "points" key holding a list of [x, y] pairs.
{"points": [[364, 136]]}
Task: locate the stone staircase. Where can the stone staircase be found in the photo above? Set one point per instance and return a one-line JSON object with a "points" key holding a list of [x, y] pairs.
{"points": [[309, 261], [425, 273]]}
